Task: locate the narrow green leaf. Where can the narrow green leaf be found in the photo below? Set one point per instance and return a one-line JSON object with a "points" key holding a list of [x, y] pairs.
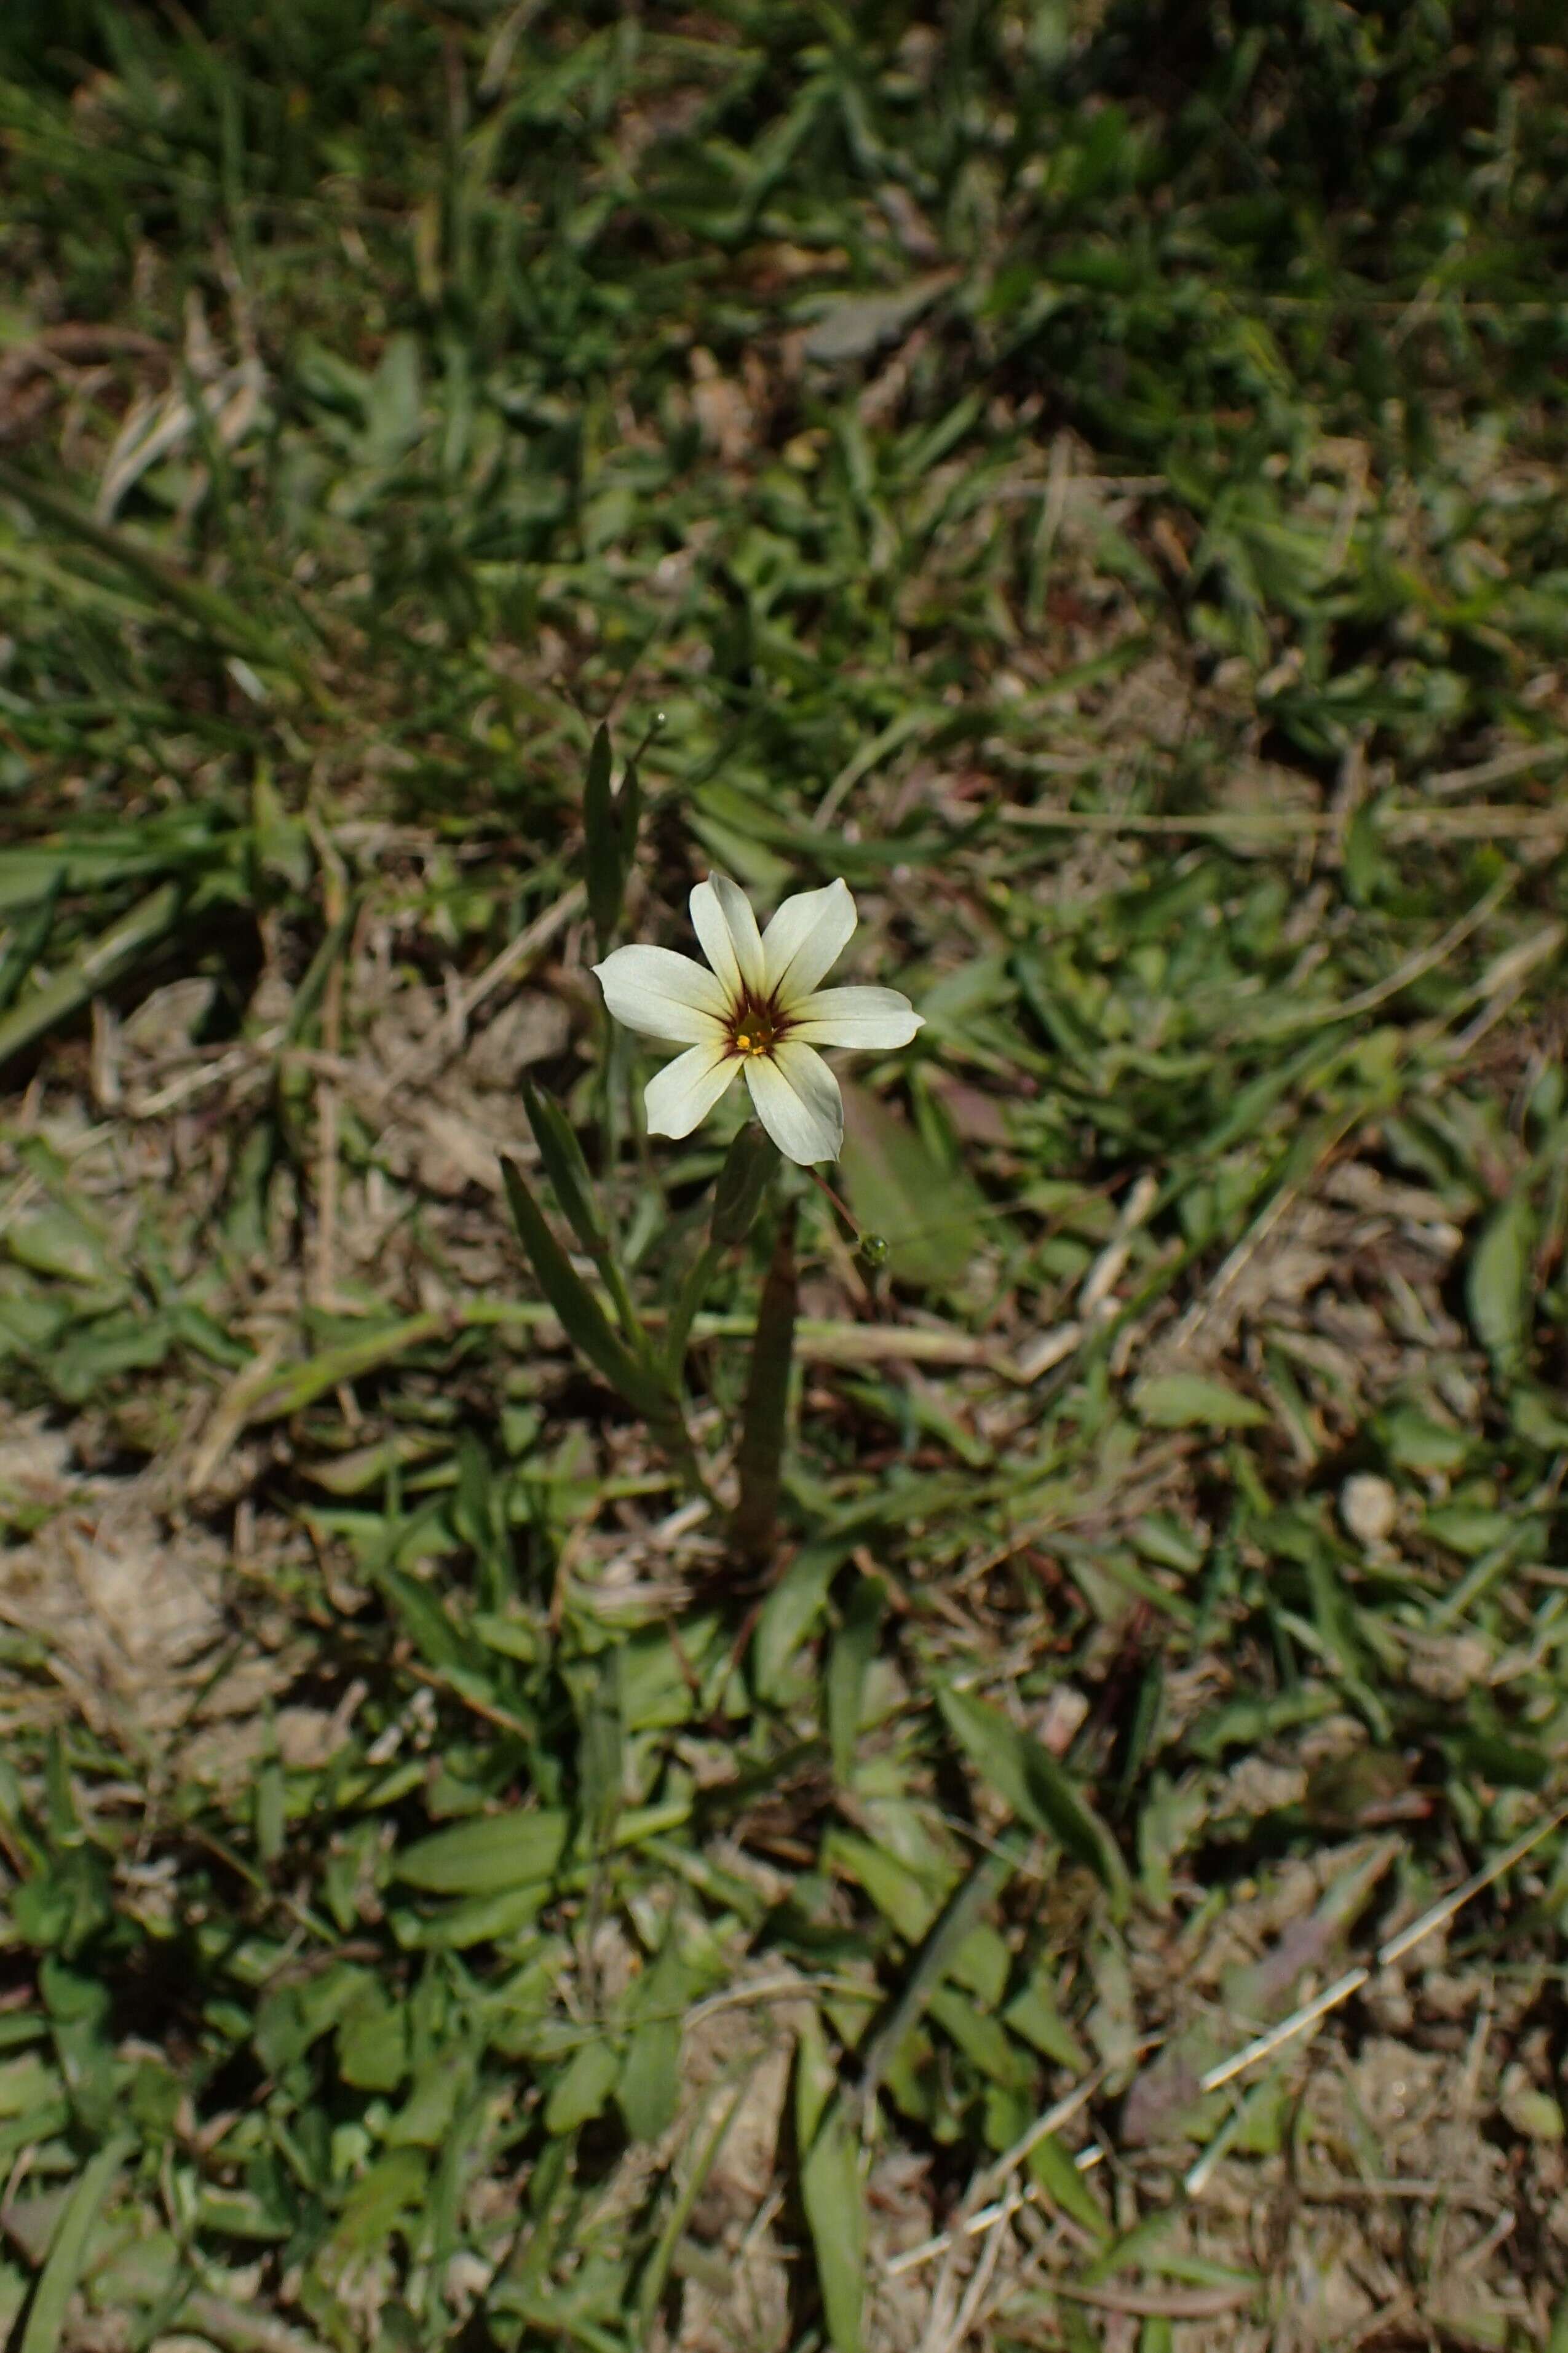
{"points": [[938, 1951], [1497, 1288], [830, 2190], [475, 1920], [1142, 2243], [313, 988], [44, 2331], [222, 619], [737, 1197], [649, 2092], [1024, 1772], [657, 2271], [1032, 2014], [111, 953], [742, 1182], [265, 1394], [422, 1615], [628, 817], [983, 2040], [486, 1856], [581, 1317], [854, 1648], [29, 940], [1050, 2165], [790, 1611], [565, 1166], [687, 1300], [1189, 1402]]}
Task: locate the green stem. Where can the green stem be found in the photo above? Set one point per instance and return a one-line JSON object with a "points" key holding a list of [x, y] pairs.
{"points": [[621, 1299], [677, 1441], [760, 1461]]}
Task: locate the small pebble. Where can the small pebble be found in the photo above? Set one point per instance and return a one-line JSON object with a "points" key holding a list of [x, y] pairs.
{"points": [[1368, 1507]]}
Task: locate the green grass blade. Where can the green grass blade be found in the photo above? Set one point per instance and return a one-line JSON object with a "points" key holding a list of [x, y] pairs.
{"points": [[111, 955], [1022, 1770], [581, 1317], [56, 2283], [831, 2191]]}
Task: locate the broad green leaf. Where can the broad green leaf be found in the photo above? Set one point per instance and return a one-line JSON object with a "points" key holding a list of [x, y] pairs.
{"points": [[1414, 1441], [1024, 1772], [372, 2046], [425, 2119], [485, 1857], [379, 2198], [906, 1897], [580, 2092], [927, 1214], [581, 1317], [1192, 1401], [475, 1920], [648, 2091], [1538, 1419], [1497, 1286], [60, 1243]]}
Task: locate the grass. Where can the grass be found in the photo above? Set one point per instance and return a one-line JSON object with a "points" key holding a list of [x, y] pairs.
{"points": [[1094, 477]]}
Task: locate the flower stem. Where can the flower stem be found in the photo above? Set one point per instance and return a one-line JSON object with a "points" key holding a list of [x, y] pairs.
{"points": [[760, 1460], [842, 1208]]}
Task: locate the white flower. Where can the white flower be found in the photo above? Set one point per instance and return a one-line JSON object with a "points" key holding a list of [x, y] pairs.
{"points": [[759, 1011]]}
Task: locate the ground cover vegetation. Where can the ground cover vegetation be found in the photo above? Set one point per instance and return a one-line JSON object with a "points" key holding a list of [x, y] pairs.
{"points": [[1093, 479]]}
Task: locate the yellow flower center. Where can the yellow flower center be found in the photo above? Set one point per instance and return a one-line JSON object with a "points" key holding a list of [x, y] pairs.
{"points": [[758, 1037]]}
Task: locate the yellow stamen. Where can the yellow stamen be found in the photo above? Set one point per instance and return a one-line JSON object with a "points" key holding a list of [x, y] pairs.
{"points": [[744, 1042]]}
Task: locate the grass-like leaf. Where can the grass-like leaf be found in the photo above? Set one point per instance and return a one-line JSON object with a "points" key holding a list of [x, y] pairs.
{"points": [[584, 1320]]}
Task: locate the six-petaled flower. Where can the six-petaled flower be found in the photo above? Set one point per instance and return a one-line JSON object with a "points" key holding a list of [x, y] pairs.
{"points": [[759, 1009]]}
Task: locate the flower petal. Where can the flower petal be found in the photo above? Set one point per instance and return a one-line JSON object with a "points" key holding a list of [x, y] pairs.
{"points": [[730, 940], [685, 1090], [877, 1018], [805, 939], [662, 994], [798, 1102]]}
